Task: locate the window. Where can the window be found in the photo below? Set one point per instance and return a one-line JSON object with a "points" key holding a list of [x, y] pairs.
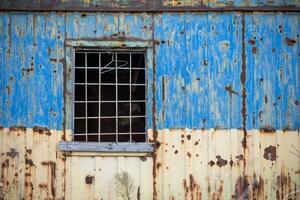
{"points": [[109, 102]]}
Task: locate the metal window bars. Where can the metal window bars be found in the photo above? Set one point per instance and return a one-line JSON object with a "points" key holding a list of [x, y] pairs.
{"points": [[109, 96]]}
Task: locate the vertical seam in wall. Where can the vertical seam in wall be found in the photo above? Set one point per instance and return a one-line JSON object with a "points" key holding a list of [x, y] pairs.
{"points": [[64, 106], [154, 113], [245, 183]]}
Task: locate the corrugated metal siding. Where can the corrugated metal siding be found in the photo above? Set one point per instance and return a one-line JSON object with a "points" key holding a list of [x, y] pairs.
{"points": [[218, 77]]}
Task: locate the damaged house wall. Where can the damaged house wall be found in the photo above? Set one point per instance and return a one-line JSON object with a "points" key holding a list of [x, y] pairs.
{"points": [[223, 107]]}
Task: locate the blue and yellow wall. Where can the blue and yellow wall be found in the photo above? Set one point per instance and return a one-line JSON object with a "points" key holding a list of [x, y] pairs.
{"points": [[223, 106]]}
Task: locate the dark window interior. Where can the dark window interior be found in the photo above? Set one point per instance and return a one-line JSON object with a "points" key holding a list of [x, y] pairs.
{"points": [[110, 96]]}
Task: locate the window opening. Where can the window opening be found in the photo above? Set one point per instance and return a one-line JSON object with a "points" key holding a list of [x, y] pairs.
{"points": [[109, 96]]}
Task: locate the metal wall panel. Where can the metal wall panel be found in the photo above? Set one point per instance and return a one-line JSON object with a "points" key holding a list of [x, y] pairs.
{"points": [[223, 106]]}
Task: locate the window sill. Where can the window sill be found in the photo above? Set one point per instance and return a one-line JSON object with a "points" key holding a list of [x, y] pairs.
{"points": [[106, 149]]}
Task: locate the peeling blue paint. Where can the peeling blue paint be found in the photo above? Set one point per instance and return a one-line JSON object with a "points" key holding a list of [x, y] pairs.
{"points": [[198, 66]]}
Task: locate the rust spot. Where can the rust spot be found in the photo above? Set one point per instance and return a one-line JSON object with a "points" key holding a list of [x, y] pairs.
{"points": [[221, 162], [52, 166], [188, 137], [158, 165], [196, 143], [192, 190], [41, 130], [240, 157], [17, 128], [267, 129], [5, 163], [29, 151], [176, 151], [281, 28], [231, 162], [241, 188], [138, 194], [270, 153], [257, 187], [12, 153], [252, 42], [43, 185], [28, 184], [290, 41], [89, 179], [296, 102], [211, 163], [189, 154], [230, 90], [29, 162], [266, 99], [254, 50], [8, 90], [143, 158]]}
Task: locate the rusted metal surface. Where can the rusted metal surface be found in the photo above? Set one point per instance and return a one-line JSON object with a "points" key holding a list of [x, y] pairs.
{"points": [[223, 106], [206, 165], [149, 5], [210, 165], [31, 167]]}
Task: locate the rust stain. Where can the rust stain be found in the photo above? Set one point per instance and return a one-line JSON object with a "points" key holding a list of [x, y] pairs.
{"points": [[138, 194], [211, 163], [158, 165], [29, 151], [52, 166], [270, 153], [192, 190], [12, 153], [188, 137], [155, 133], [254, 50], [221, 162], [243, 81], [17, 128], [266, 99], [252, 42], [43, 185], [89, 179], [281, 29], [257, 187], [189, 154], [240, 157], [230, 90], [29, 162], [242, 188], [290, 41], [41, 130], [267, 129], [8, 90]]}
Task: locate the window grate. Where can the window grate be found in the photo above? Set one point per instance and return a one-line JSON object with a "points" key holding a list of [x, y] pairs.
{"points": [[109, 96]]}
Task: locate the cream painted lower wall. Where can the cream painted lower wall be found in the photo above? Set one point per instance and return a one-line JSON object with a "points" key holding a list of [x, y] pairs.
{"points": [[188, 164]]}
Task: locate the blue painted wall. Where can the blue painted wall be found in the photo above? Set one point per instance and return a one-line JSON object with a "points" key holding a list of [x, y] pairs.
{"points": [[198, 61]]}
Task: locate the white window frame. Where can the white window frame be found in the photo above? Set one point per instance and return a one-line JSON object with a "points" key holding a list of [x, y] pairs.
{"points": [[120, 147]]}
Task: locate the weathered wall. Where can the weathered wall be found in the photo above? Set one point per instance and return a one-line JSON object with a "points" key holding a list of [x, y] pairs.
{"points": [[149, 5], [223, 104]]}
